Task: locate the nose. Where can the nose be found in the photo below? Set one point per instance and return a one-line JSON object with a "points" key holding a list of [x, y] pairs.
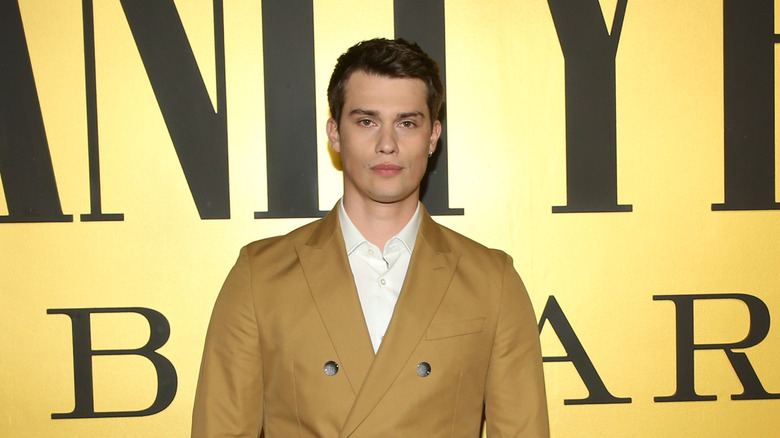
{"points": [[387, 143]]}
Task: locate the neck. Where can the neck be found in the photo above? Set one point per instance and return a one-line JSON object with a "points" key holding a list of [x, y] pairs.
{"points": [[378, 222]]}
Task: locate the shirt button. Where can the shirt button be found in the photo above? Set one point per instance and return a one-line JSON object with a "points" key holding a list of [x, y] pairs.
{"points": [[370, 252], [382, 282]]}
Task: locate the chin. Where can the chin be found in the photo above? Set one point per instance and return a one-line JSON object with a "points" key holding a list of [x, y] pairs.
{"points": [[390, 198]]}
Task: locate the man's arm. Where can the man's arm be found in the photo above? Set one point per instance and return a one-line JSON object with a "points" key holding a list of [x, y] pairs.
{"points": [[515, 401], [229, 396]]}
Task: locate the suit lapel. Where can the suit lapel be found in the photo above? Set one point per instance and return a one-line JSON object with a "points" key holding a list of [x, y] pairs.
{"points": [[430, 271], [326, 268]]}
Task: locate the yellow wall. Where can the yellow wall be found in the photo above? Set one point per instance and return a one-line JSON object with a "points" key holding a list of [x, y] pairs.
{"points": [[507, 168]]}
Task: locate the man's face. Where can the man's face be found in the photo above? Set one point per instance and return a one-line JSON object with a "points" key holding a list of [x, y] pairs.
{"points": [[384, 137]]}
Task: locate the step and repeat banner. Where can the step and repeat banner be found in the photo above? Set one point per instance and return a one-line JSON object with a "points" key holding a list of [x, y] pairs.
{"points": [[623, 152]]}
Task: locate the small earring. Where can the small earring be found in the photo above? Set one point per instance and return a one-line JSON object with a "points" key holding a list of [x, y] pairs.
{"points": [[430, 154]]}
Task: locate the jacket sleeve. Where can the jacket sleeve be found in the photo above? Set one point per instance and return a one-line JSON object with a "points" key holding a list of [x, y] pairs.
{"points": [[229, 395], [515, 400]]}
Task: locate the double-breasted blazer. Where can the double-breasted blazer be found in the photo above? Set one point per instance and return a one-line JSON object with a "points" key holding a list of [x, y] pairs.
{"points": [[463, 342]]}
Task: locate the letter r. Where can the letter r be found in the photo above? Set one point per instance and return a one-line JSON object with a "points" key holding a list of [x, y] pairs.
{"points": [[759, 328]]}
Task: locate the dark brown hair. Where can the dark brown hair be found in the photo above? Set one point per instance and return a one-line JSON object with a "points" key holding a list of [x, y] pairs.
{"points": [[396, 58]]}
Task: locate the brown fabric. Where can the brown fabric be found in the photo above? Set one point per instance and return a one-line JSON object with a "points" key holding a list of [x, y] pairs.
{"points": [[290, 305]]}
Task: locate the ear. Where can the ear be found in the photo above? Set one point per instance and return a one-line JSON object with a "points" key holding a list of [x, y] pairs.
{"points": [[435, 134], [333, 135]]}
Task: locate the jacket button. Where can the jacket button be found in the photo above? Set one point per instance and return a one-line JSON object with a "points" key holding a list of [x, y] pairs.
{"points": [[330, 368], [423, 369]]}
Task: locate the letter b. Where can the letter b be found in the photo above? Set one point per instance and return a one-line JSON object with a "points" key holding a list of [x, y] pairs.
{"points": [[159, 330]]}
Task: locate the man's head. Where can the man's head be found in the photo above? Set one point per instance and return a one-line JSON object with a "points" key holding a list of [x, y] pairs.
{"points": [[384, 97], [390, 58]]}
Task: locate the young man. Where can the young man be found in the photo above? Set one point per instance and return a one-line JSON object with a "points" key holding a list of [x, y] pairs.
{"points": [[374, 321]]}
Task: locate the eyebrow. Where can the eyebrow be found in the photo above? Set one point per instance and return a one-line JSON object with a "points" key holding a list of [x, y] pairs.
{"points": [[372, 113], [411, 114], [364, 112]]}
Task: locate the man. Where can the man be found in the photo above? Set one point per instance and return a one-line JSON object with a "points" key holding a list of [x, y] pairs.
{"points": [[374, 321]]}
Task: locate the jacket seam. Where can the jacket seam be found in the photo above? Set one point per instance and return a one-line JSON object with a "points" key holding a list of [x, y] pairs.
{"points": [[455, 407], [257, 328], [495, 328]]}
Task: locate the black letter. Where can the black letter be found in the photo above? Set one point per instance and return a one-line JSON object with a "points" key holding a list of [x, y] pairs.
{"points": [[575, 353], [759, 327], [591, 140], [290, 119], [159, 329], [90, 79], [749, 105], [199, 133], [25, 162], [423, 23]]}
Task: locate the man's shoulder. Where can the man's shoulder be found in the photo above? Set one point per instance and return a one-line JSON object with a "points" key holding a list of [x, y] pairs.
{"points": [[283, 243], [470, 248]]}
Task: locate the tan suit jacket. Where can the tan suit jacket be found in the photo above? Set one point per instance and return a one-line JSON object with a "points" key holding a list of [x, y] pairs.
{"points": [[290, 305]]}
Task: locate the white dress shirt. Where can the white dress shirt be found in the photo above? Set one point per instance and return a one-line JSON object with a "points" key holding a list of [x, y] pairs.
{"points": [[379, 275]]}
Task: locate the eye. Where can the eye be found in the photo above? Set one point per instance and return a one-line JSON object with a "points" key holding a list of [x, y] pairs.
{"points": [[365, 123], [408, 124]]}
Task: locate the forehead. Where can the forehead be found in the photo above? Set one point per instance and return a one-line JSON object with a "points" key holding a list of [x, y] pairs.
{"points": [[384, 94]]}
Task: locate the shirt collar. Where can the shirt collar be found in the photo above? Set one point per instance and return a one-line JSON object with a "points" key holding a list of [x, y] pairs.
{"points": [[353, 238]]}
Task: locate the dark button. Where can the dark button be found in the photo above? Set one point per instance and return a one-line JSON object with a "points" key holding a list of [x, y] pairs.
{"points": [[331, 368], [423, 369]]}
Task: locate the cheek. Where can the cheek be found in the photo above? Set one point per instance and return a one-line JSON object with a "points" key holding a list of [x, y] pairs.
{"points": [[420, 163], [352, 160]]}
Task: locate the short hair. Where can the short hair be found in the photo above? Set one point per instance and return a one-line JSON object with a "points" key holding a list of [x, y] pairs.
{"points": [[396, 58]]}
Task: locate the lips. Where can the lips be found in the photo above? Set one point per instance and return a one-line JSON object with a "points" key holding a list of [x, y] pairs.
{"points": [[386, 169]]}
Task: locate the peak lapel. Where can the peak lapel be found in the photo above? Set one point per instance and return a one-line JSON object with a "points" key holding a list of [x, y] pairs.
{"points": [[326, 268], [430, 271]]}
